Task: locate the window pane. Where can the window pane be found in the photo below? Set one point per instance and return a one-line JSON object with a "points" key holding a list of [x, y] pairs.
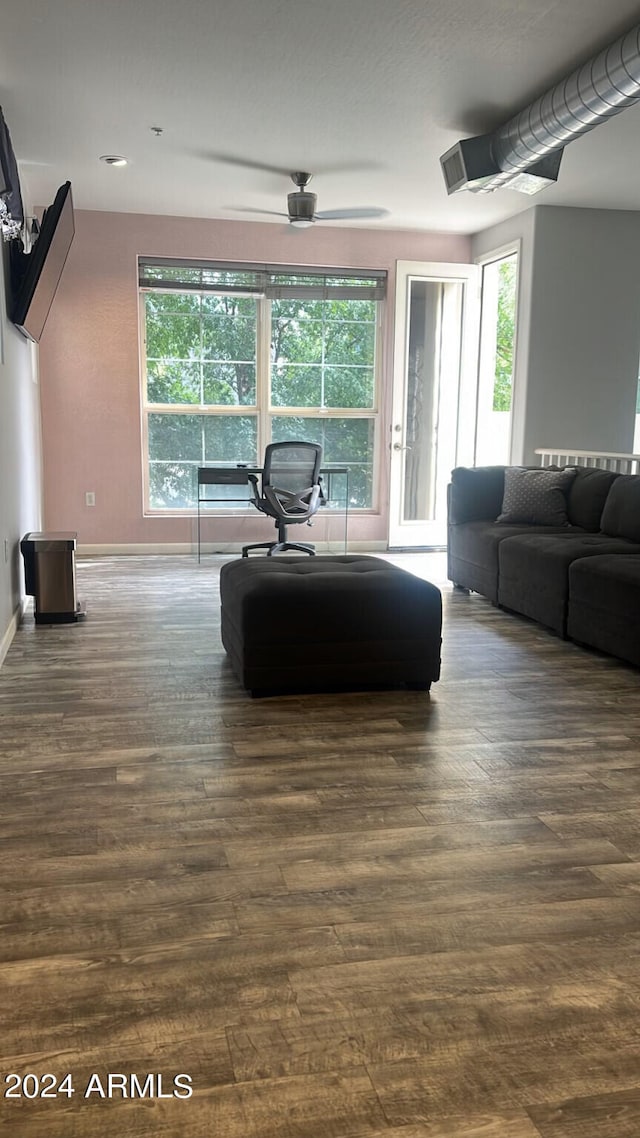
{"points": [[179, 444], [338, 337], [229, 338], [345, 442], [295, 338], [242, 306], [230, 384], [505, 333], [174, 437], [496, 360], [230, 438], [158, 302], [349, 343], [173, 337], [295, 386], [172, 486], [201, 349], [348, 387], [173, 382]]}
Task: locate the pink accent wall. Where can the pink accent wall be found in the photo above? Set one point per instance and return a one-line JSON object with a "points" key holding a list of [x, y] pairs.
{"points": [[89, 361]]}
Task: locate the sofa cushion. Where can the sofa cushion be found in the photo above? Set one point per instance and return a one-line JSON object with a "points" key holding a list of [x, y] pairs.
{"points": [[476, 493], [534, 572], [621, 514], [536, 497], [587, 496], [473, 552], [604, 605]]}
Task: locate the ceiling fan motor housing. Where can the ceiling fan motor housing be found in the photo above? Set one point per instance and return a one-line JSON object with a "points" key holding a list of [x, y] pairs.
{"points": [[302, 206]]}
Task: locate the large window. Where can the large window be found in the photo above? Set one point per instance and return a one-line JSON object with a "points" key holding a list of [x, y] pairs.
{"points": [[497, 348], [236, 357]]}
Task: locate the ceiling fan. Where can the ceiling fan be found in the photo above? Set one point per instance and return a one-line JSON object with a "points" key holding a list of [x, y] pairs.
{"points": [[301, 204]]}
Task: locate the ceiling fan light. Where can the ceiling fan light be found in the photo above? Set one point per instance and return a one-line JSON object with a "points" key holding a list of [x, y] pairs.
{"points": [[302, 222]]}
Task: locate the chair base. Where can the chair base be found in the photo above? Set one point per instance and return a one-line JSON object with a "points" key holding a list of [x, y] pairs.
{"points": [[280, 547]]}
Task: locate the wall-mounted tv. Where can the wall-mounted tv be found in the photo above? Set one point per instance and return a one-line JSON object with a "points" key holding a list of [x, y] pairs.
{"points": [[9, 177], [35, 275]]}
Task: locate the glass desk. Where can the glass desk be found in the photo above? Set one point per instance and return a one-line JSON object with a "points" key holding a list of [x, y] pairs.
{"points": [[228, 485]]}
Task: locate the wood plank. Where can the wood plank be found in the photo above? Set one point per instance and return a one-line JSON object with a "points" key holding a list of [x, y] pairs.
{"points": [[615, 1115], [355, 915]]}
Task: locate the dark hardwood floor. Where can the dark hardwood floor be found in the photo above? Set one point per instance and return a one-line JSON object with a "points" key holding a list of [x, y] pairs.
{"points": [[366, 915]]}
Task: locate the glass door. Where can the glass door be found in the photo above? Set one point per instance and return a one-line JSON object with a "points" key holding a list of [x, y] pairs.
{"points": [[434, 396]]}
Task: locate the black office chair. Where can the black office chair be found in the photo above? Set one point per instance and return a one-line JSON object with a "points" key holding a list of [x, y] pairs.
{"points": [[291, 492]]}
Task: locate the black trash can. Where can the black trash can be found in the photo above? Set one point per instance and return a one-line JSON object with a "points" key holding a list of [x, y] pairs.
{"points": [[50, 576]]}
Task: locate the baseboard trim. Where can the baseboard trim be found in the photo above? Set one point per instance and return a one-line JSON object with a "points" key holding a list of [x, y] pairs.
{"points": [[221, 548], [11, 630], [417, 549]]}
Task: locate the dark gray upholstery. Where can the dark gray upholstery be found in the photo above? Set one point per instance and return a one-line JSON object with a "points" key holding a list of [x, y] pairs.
{"points": [[300, 624], [475, 496], [472, 552], [621, 514], [604, 605], [534, 572], [581, 581], [587, 496], [475, 493]]}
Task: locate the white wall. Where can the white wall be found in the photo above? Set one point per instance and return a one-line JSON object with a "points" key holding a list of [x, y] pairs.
{"points": [[20, 462]]}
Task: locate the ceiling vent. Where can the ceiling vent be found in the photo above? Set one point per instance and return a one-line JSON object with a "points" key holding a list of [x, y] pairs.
{"points": [[525, 153]]}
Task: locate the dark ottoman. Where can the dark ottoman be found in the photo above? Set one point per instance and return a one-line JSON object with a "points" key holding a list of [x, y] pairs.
{"points": [[329, 623], [604, 605]]}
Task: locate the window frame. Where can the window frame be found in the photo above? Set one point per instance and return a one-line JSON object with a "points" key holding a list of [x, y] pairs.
{"points": [[263, 410], [492, 257]]}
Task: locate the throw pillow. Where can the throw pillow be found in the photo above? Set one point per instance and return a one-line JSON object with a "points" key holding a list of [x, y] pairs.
{"points": [[536, 497]]}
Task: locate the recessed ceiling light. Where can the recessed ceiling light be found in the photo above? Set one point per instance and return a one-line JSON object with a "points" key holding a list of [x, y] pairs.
{"points": [[113, 159]]}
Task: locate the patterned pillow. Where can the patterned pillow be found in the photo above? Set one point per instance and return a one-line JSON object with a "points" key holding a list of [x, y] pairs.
{"points": [[536, 497]]}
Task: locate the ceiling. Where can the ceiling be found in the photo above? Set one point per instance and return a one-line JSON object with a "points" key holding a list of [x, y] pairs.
{"points": [[366, 94]]}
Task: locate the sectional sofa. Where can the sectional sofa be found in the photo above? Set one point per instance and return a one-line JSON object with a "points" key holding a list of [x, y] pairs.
{"points": [[561, 546]]}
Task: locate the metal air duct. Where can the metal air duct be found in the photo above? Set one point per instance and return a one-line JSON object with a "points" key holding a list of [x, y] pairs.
{"points": [[519, 154]]}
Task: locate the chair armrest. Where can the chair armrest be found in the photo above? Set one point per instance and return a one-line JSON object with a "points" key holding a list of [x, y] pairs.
{"points": [[253, 481]]}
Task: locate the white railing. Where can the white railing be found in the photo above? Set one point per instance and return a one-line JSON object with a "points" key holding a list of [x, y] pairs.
{"points": [[606, 460]]}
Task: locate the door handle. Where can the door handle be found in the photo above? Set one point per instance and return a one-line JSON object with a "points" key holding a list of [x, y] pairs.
{"points": [[397, 446]]}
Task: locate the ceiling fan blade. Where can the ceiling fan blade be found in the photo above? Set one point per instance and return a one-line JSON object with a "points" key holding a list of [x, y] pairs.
{"points": [[244, 163], [335, 214], [266, 212]]}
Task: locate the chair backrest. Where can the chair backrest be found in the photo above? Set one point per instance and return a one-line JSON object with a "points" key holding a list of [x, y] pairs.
{"points": [[292, 466]]}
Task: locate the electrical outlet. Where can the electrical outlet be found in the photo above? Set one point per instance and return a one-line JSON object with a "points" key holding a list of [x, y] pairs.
{"points": [[90, 498]]}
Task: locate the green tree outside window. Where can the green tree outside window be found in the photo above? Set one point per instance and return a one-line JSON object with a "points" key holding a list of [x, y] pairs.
{"points": [[202, 356]]}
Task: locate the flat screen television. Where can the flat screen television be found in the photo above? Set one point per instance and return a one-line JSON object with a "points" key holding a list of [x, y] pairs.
{"points": [[9, 178], [35, 275]]}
